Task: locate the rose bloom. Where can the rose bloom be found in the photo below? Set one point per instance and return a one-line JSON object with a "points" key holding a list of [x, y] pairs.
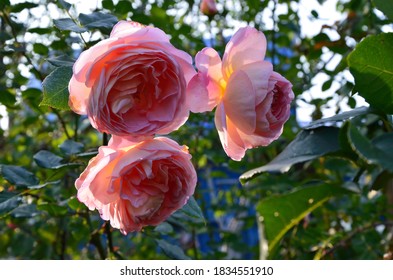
{"points": [[208, 7], [253, 101], [133, 83], [137, 184]]}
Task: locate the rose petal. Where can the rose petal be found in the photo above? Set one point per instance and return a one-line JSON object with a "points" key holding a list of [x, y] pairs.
{"points": [[123, 28], [239, 102], [204, 89], [246, 46], [230, 139]]}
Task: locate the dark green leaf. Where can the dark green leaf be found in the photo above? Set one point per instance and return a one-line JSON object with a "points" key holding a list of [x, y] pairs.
{"points": [[193, 210], [386, 6], [326, 85], [98, 20], [340, 117], [53, 209], [62, 60], [56, 88], [40, 30], [64, 4], [8, 202], [371, 63], [70, 147], [47, 159], [164, 228], [25, 211], [74, 204], [108, 4], [172, 251], [308, 145], [18, 175], [16, 8], [345, 144], [7, 98], [379, 151], [40, 49], [67, 24], [280, 213], [383, 180], [123, 7]]}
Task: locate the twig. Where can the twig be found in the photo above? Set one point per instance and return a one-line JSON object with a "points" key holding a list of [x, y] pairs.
{"points": [[62, 122], [110, 239], [345, 240]]}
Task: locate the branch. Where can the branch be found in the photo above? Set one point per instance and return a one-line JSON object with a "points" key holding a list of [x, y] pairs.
{"points": [[346, 239]]}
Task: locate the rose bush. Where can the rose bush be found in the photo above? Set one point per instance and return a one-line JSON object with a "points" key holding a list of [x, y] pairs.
{"points": [[133, 83], [253, 101], [137, 184]]}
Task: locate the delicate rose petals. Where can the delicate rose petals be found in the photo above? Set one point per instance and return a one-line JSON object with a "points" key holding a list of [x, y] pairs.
{"points": [[204, 88], [246, 46], [239, 102], [134, 185], [132, 84], [253, 101]]}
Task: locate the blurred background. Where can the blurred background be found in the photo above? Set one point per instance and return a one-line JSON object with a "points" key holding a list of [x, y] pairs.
{"points": [[44, 149]]}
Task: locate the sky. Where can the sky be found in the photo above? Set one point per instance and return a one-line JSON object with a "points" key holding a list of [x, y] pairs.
{"points": [[310, 27]]}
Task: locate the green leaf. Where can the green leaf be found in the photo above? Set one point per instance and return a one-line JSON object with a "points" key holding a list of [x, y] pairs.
{"points": [[193, 210], [308, 145], [74, 204], [108, 4], [98, 20], [346, 148], [67, 24], [47, 159], [342, 116], [56, 88], [123, 7], [16, 8], [379, 151], [40, 49], [386, 6], [70, 147], [53, 209], [25, 211], [164, 228], [64, 4], [371, 64], [40, 30], [18, 175], [383, 180], [7, 98], [8, 202], [172, 251], [62, 60], [281, 213]]}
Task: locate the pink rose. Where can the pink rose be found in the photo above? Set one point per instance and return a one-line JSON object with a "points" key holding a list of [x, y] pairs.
{"points": [[133, 83], [253, 101], [208, 7], [137, 184]]}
